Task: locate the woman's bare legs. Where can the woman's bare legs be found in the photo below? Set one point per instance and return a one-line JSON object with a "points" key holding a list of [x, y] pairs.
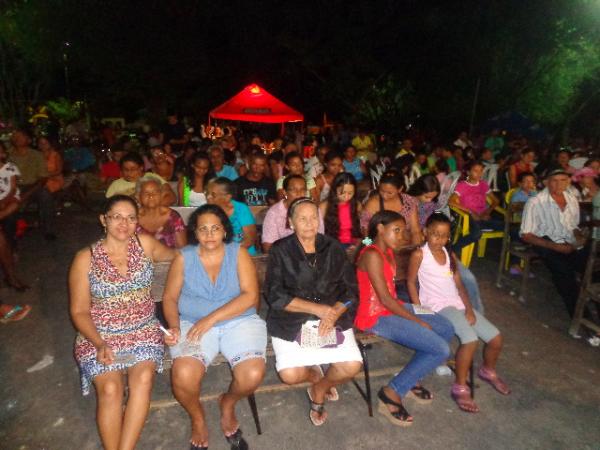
{"points": [[247, 376], [140, 380], [109, 408], [186, 378]]}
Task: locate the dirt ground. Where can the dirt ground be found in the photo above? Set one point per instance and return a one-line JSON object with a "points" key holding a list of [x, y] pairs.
{"points": [[555, 402]]}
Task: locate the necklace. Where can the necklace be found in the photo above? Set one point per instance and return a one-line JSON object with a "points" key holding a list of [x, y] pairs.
{"points": [[310, 258]]}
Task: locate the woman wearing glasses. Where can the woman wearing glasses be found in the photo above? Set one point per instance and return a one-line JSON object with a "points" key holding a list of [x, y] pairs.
{"points": [[113, 311], [210, 303]]}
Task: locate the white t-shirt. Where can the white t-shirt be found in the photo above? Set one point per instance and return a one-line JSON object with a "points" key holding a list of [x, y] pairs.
{"points": [[8, 171]]}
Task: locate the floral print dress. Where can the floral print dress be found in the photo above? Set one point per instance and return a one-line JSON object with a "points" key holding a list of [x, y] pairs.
{"points": [[122, 310]]}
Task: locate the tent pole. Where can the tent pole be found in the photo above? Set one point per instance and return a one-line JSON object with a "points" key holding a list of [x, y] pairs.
{"points": [[282, 129]]}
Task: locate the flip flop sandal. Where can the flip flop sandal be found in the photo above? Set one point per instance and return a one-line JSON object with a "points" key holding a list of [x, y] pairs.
{"points": [[236, 441], [17, 313], [462, 396], [319, 408], [400, 418], [491, 377], [332, 395]]}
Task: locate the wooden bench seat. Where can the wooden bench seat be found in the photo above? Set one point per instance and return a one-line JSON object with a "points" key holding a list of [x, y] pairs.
{"points": [[365, 342]]}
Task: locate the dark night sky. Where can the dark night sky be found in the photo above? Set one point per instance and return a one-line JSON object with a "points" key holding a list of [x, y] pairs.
{"points": [[317, 56]]}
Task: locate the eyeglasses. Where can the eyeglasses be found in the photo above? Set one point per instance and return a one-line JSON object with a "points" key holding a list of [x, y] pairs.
{"points": [[205, 230], [120, 219]]}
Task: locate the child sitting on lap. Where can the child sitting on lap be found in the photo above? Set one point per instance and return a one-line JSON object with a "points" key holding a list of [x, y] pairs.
{"points": [[441, 290]]}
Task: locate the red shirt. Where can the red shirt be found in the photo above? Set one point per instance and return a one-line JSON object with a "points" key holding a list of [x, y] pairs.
{"points": [[110, 169], [370, 308]]}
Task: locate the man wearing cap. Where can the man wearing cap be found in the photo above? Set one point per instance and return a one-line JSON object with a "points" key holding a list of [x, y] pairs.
{"points": [[550, 224]]}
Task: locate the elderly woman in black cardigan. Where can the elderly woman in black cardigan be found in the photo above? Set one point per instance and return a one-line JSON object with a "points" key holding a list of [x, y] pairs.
{"points": [[311, 290]]}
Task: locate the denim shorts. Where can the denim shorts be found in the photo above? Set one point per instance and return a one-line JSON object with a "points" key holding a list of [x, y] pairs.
{"points": [[483, 328], [238, 340]]}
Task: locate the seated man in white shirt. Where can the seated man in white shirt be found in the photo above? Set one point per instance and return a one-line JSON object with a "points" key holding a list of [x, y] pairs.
{"points": [[550, 224]]}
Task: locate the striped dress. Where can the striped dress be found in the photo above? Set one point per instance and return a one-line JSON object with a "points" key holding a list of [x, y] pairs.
{"points": [[122, 309]]}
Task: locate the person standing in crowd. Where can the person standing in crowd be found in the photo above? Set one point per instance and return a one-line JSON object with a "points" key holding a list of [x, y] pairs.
{"points": [[174, 133], [220, 192], [132, 169], [441, 290], [192, 186], [32, 181], [254, 188], [217, 160], [550, 225], [113, 311], [311, 288], [275, 225], [384, 313], [211, 300], [341, 211]]}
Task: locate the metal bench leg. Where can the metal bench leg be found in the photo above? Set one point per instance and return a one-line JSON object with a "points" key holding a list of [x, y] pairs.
{"points": [[254, 409], [369, 398]]}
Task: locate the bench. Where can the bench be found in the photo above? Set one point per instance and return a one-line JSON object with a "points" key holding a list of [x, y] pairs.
{"points": [[365, 342]]}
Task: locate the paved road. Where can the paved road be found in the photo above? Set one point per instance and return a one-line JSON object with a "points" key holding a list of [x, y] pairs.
{"points": [[555, 404]]}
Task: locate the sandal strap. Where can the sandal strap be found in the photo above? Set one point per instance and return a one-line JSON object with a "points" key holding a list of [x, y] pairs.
{"points": [[402, 414], [388, 401], [421, 392], [319, 408]]}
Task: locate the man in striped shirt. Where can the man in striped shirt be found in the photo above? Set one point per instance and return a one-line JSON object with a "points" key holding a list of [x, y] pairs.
{"points": [[550, 224]]}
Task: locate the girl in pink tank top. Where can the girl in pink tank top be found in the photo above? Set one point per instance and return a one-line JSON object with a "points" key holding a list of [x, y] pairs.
{"points": [[441, 290]]}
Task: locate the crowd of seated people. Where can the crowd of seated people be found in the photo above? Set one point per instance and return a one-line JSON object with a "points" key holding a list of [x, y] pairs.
{"points": [[405, 282]]}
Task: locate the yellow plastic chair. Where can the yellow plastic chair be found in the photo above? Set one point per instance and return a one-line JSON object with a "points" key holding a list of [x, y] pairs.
{"points": [[463, 228]]}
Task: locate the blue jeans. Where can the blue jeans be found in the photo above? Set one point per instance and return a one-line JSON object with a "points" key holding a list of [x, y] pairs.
{"points": [[431, 346], [475, 230], [470, 284]]}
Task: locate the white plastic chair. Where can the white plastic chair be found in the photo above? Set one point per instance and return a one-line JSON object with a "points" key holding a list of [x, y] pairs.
{"points": [[446, 190], [490, 176], [414, 173], [375, 177]]}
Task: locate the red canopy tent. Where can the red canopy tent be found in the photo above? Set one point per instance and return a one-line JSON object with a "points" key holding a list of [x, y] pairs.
{"points": [[254, 104]]}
